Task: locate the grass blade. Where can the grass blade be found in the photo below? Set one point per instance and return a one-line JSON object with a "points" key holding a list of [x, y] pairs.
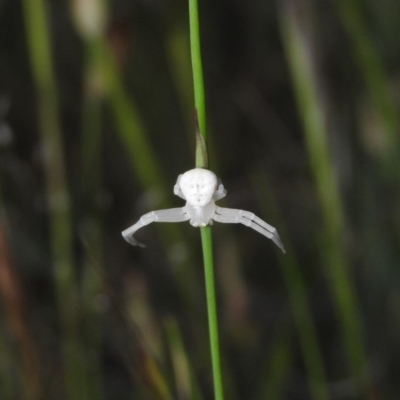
{"points": [[206, 233], [302, 314], [296, 36], [58, 197]]}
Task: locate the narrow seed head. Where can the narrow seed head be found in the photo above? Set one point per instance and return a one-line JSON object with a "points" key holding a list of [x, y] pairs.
{"points": [[89, 17]]}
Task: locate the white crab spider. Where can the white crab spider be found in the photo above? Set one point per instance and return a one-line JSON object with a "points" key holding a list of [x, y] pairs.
{"points": [[201, 189]]}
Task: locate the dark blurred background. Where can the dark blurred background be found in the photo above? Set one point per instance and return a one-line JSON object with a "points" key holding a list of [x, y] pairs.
{"points": [[96, 123]]}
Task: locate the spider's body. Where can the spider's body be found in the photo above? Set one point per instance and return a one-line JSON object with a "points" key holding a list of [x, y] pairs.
{"points": [[197, 186], [201, 189], [201, 216]]}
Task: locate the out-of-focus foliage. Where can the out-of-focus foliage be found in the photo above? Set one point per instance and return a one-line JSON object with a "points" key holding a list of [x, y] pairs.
{"points": [[96, 123]]}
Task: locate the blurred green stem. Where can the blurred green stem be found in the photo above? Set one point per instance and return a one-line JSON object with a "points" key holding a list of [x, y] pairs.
{"points": [[375, 77], [186, 382], [131, 127], [57, 192], [202, 161], [177, 49], [371, 65], [297, 290], [91, 186], [278, 366], [299, 48]]}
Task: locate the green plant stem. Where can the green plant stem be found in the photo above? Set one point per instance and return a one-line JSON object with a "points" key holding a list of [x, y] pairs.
{"points": [[297, 291], [60, 230], [311, 105], [206, 233], [186, 383], [178, 51], [371, 65], [278, 365], [197, 66], [131, 127], [92, 227], [375, 76], [206, 239]]}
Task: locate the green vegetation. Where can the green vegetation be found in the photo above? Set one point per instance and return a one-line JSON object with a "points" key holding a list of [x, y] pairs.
{"points": [[97, 120]]}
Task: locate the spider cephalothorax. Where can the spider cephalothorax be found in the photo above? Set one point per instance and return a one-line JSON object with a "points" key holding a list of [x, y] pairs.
{"points": [[201, 189]]}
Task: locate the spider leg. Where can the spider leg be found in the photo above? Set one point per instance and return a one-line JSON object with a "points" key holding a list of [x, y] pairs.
{"points": [[170, 215], [220, 192], [230, 215], [177, 189]]}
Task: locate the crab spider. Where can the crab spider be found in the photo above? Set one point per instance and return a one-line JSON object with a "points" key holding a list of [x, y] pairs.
{"points": [[201, 189]]}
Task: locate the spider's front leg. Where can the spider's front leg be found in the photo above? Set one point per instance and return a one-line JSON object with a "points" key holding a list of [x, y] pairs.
{"points": [[232, 216], [170, 215]]}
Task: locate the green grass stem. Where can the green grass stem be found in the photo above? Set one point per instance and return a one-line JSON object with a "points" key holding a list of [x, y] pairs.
{"points": [[311, 106], [131, 127], [60, 232], [185, 380], [278, 366], [93, 232], [206, 240], [373, 70], [197, 66], [178, 52], [206, 232], [376, 78], [297, 292]]}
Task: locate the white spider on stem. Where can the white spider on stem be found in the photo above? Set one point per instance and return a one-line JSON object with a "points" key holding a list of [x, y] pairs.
{"points": [[201, 189]]}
